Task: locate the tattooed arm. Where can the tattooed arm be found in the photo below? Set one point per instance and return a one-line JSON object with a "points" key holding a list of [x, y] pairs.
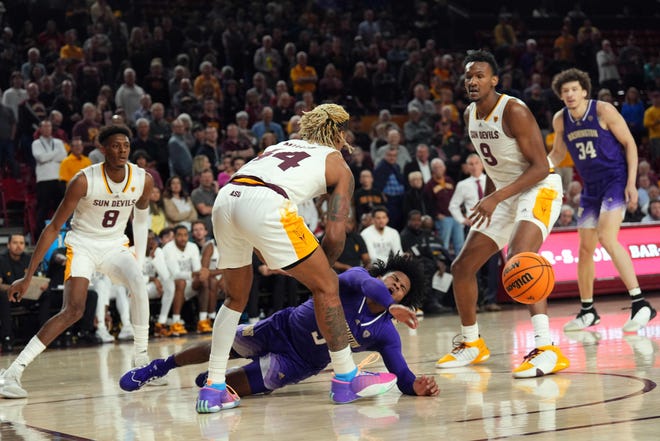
{"points": [[338, 176]]}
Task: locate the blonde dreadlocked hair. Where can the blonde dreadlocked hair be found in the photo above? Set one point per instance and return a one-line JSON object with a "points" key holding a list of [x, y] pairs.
{"points": [[324, 125]]}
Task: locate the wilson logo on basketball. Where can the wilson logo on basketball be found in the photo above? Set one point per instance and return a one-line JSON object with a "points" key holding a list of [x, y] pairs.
{"points": [[528, 277], [520, 282], [511, 267]]}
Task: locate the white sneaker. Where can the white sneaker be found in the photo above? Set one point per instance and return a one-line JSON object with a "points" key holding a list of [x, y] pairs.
{"points": [[583, 320], [126, 333], [640, 318], [143, 360], [542, 361], [464, 354], [10, 387], [104, 335]]}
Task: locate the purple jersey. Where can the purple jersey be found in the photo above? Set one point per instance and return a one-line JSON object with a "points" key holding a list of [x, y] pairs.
{"points": [[597, 154], [293, 335]]}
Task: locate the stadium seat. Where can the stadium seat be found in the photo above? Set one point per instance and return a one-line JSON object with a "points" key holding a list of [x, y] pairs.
{"points": [[11, 191]]}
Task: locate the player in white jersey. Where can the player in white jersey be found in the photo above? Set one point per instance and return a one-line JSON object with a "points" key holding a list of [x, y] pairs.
{"points": [[257, 210], [101, 198], [522, 203], [184, 262]]}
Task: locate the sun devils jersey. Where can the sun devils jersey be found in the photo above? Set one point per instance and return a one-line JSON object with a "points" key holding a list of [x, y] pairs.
{"points": [[500, 154], [280, 165], [103, 212]]}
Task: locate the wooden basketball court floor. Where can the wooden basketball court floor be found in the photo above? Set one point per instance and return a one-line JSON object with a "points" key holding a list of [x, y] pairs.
{"points": [[609, 392]]}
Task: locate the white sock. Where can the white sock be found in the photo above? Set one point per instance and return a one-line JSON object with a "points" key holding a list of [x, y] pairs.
{"points": [[140, 339], [212, 315], [541, 325], [27, 356], [224, 331], [176, 318], [342, 361], [634, 292], [162, 319], [470, 333], [203, 316]]}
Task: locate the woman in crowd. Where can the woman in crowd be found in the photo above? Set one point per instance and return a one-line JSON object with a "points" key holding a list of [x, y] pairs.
{"points": [[179, 208], [157, 211]]}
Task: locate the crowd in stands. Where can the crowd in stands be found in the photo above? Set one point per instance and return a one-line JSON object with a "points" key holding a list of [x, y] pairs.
{"points": [[204, 90]]}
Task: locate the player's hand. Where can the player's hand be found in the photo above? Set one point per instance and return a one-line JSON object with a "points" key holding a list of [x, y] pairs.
{"points": [[17, 289], [404, 315], [279, 271], [426, 386], [484, 210], [631, 196]]}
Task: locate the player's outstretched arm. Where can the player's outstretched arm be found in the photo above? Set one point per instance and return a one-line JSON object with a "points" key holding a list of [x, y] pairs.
{"points": [[338, 176], [75, 191]]}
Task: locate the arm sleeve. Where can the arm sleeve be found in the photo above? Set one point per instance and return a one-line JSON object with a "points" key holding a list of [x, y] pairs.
{"points": [[395, 363], [376, 290], [140, 232], [358, 280]]}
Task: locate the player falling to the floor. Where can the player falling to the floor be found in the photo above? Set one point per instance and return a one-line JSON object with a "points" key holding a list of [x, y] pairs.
{"points": [[287, 347], [605, 155], [257, 209], [520, 210]]}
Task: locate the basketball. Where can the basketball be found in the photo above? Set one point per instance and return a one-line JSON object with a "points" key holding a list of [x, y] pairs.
{"points": [[528, 278]]}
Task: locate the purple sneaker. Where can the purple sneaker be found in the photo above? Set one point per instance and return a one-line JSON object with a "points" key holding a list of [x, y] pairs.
{"points": [[365, 384], [139, 376], [211, 400]]}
